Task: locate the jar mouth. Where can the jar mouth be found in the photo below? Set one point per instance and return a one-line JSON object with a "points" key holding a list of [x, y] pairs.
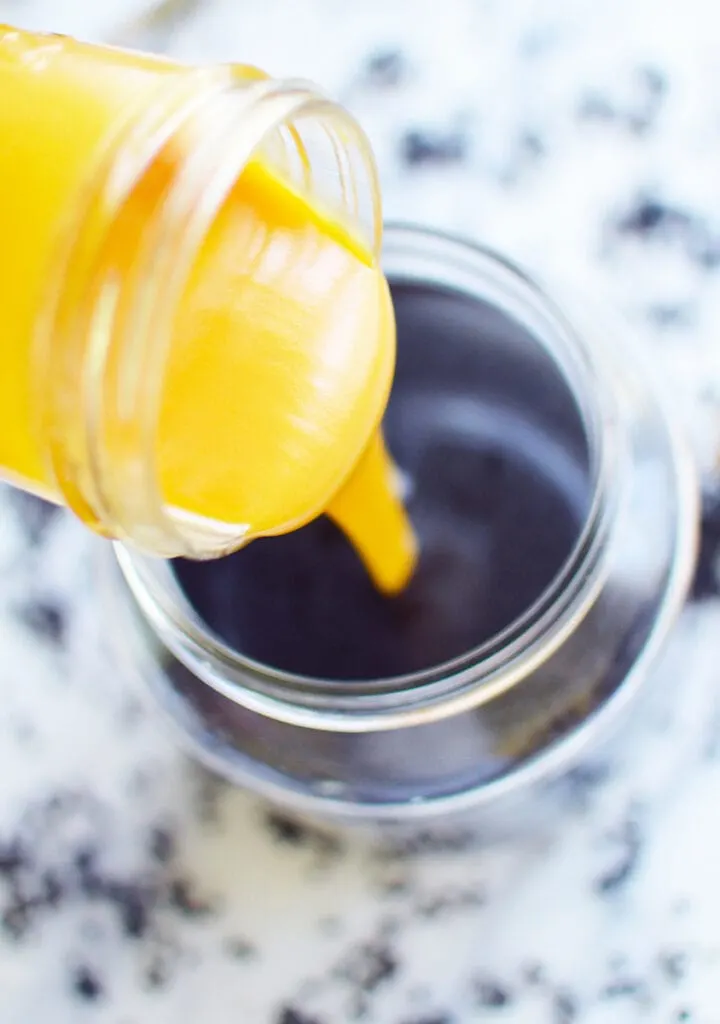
{"points": [[478, 675]]}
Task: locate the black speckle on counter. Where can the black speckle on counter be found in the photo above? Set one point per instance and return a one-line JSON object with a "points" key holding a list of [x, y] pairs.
{"points": [[162, 844], [46, 619], [133, 903], [85, 858], [24, 905], [526, 150], [12, 858], [35, 515], [419, 147], [385, 69], [439, 905], [157, 972], [87, 985], [625, 988], [668, 316], [650, 218], [288, 831], [52, 888], [531, 144], [683, 1015], [704, 246], [629, 840], [673, 965], [239, 948], [28, 892], [638, 112], [182, 898], [491, 995], [289, 1015], [426, 842], [653, 220], [364, 968], [651, 88], [655, 80], [596, 107], [369, 965], [565, 1008], [580, 783], [707, 576], [535, 975]]}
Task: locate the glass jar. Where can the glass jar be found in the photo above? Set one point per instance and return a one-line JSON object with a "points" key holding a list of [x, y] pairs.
{"points": [[487, 731], [123, 162]]}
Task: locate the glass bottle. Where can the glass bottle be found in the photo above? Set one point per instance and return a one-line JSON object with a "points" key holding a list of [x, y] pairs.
{"points": [[116, 169]]}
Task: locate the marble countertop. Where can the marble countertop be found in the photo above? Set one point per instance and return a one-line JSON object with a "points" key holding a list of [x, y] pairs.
{"points": [[584, 140]]}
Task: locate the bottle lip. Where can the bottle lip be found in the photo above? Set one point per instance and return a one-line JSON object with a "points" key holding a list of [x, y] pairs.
{"points": [[483, 673], [115, 322]]}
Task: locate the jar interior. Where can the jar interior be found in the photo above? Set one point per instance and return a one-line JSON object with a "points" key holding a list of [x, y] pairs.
{"points": [[487, 429]]}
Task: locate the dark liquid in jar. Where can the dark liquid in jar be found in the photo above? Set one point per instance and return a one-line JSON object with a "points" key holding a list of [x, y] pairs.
{"points": [[492, 444]]}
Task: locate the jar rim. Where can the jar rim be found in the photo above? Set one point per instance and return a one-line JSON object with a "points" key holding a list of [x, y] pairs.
{"points": [[480, 674]]}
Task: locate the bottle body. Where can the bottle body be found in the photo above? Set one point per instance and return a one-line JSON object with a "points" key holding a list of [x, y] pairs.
{"points": [[199, 340], [66, 103]]}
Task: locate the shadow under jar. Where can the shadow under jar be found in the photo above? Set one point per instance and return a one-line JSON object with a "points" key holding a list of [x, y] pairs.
{"points": [[557, 517]]}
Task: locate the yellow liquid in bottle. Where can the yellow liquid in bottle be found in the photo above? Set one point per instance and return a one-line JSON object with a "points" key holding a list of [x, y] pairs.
{"points": [[283, 346]]}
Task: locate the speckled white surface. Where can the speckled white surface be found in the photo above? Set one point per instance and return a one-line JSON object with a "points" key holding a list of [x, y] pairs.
{"points": [[134, 890]]}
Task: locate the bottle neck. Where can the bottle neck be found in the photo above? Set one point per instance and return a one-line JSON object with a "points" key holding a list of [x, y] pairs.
{"points": [[127, 250]]}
